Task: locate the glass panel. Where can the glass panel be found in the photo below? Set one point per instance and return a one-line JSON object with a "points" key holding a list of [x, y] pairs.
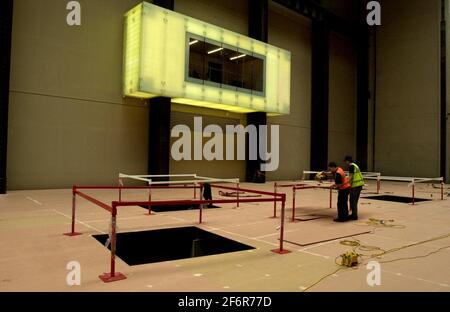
{"points": [[246, 66], [225, 65], [231, 68], [257, 74], [214, 66], [196, 59], [253, 73]]}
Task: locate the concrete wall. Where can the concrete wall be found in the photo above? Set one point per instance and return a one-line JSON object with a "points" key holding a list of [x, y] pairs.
{"points": [[184, 115], [407, 108], [293, 32], [342, 99], [68, 122], [230, 14], [371, 108]]}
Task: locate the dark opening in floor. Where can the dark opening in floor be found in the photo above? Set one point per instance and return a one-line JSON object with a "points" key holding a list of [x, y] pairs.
{"points": [[170, 244], [158, 208], [397, 199]]}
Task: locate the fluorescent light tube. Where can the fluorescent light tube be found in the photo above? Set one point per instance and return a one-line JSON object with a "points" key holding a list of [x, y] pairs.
{"points": [[215, 50], [237, 57]]}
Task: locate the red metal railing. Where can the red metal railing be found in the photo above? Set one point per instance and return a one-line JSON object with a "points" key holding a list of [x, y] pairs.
{"points": [[113, 275], [299, 186]]}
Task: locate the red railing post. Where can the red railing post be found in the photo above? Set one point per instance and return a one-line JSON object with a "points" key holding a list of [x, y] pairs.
{"points": [[113, 275], [331, 197], [120, 189], [113, 241], [74, 202], [237, 197], [200, 216], [281, 250], [275, 202], [442, 190], [293, 203], [378, 184]]}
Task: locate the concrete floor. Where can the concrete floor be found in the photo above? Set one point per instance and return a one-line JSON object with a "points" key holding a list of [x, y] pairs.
{"points": [[34, 253]]}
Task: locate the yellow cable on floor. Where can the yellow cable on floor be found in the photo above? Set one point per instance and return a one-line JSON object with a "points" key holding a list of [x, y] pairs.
{"points": [[356, 244], [384, 223], [412, 245], [324, 277]]}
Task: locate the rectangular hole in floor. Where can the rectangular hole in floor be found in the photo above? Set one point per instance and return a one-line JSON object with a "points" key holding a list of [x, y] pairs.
{"points": [[170, 244], [396, 199], [159, 208]]}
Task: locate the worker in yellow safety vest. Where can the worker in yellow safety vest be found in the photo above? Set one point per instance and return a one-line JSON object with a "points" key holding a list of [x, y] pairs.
{"points": [[356, 184], [341, 182]]}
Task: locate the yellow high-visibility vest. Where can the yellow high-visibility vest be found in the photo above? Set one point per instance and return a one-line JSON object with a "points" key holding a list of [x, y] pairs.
{"points": [[357, 177]]}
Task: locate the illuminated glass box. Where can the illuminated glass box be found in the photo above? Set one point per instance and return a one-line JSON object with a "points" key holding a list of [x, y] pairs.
{"points": [[197, 63]]}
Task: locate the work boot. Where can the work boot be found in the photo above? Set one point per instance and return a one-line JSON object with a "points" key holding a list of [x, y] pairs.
{"points": [[339, 220], [352, 217]]}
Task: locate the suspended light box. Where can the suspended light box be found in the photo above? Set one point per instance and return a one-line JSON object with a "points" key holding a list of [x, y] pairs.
{"points": [[196, 63]]}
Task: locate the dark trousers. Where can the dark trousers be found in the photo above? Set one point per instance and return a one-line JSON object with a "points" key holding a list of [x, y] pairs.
{"points": [[342, 204], [354, 197]]}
